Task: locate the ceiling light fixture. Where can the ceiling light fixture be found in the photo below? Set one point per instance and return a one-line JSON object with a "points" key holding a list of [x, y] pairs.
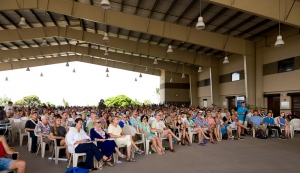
{"points": [[106, 63], [200, 24], [171, 80], [226, 61], [200, 70], [170, 50], [74, 71], [106, 53], [41, 75], [23, 22], [27, 69], [107, 70], [105, 37], [140, 75], [107, 75], [105, 4], [155, 62], [67, 65], [6, 79], [135, 79], [44, 44], [279, 42]]}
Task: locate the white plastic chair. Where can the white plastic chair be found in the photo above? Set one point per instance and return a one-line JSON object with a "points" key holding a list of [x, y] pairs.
{"points": [[22, 131], [56, 150], [294, 125], [41, 145], [75, 156], [191, 134]]}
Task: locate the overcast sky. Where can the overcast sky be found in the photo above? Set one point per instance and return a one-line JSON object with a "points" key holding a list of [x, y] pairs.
{"points": [[87, 86]]}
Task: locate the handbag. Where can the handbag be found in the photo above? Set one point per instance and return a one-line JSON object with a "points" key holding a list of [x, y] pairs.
{"points": [[136, 137]]}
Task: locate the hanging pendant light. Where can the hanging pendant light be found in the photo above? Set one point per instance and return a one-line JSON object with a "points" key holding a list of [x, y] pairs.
{"points": [[74, 71], [200, 24], [135, 79], [140, 75], [106, 53], [23, 22], [170, 50], [200, 70], [107, 70], [105, 4], [105, 37], [279, 42], [57, 55], [27, 69], [67, 65], [155, 62], [106, 63], [41, 75], [171, 80], [183, 75], [107, 75], [226, 61], [146, 70], [44, 44], [6, 79]]}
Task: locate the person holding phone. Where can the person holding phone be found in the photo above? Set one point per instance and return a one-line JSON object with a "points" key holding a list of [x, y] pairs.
{"points": [[10, 163]]}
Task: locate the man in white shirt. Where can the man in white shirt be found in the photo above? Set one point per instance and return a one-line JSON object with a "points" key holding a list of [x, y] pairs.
{"points": [[9, 107], [159, 127]]}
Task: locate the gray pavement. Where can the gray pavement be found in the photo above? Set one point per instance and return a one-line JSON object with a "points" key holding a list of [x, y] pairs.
{"points": [[248, 155]]}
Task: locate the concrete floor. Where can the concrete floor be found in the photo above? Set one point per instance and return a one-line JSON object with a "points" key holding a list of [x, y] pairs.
{"points": [[249, 155]]}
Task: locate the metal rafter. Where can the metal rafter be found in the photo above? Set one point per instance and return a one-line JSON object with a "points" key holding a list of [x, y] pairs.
{"points": [[83, 24], [8, 19], [202, 13], [29, 24], [228, 21], [185, 11], [216, 16], [253, 27], [265, 31], [161, 39], [56, 40], [240, 24], [2, 44], [200, 49], [190, 47], [208, 51], [3, 27], [153, 8], [15, 44], [139, 37], [96, 27], [37, 43], [28, 45], [67, 40], [169, 10], [37, 17], [218, 53], [129, 33], [67, 19], [122, 5], [137, 7], [52, 18]]}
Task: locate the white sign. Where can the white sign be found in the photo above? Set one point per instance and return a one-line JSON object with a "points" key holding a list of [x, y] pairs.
{"points": [[285, 105]]}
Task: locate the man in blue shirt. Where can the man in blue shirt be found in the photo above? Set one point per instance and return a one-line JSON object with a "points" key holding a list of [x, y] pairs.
{"points": [[134, 121], [270, 123], [202, 125], [256, 122], [243, 119]]}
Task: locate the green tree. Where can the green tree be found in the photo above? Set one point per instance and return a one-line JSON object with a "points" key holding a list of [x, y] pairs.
{"points": [[66, 104], [31, 100], [4, 100], [147, 102], [157, 93], [50, 104], [136, 102], [119, 100]]}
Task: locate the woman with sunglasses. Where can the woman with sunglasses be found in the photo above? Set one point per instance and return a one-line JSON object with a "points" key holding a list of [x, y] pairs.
{"points": [[144, 128], [106, 146]]}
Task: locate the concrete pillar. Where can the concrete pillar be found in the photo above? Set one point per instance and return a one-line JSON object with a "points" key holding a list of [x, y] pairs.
{"points": [[193, 88], [259, 99], [250, 83], [214, 85]]}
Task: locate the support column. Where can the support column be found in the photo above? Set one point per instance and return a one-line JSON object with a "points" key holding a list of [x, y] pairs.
{"points": [[193, 89], [259, 99], [249, 70], [214, 85]]}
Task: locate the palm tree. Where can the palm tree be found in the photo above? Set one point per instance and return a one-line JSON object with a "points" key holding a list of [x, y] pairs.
{"points": [[157, 93]]}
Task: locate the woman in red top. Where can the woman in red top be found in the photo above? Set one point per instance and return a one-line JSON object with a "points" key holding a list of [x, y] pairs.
{"points": [[7, 163]]}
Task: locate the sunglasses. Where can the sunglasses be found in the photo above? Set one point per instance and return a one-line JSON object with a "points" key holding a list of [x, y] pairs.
{"points": [[98, 122]]}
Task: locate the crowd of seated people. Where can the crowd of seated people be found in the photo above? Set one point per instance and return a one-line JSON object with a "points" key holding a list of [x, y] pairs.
{"points": [[78, 126]]}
